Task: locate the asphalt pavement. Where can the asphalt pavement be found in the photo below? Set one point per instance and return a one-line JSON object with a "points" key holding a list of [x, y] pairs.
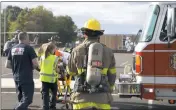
{"points": [[9, 101]]}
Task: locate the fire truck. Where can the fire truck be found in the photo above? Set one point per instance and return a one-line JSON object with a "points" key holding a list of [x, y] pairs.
{"points": [[154, 77]]}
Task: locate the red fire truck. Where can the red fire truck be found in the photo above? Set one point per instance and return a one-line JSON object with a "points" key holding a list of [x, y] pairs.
{"points": [[154, 77]]}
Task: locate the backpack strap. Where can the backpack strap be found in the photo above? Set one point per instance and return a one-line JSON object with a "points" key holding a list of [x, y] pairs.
{"points": [[86, 55]]}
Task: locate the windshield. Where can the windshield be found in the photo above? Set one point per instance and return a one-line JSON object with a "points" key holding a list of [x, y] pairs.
{"points": [[149, 27]]}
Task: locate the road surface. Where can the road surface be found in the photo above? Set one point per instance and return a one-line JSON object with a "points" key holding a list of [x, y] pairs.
{"points": [[9, 102]]}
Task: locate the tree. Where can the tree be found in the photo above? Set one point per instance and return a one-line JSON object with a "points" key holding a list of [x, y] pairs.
{"points": [[8, 17], [13, 12], [40, 19], [10, 14], [66, 28]]}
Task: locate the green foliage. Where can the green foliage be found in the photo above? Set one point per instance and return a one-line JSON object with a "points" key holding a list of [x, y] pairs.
{"points": [[66, 28], [8, 18], [39, 19]]}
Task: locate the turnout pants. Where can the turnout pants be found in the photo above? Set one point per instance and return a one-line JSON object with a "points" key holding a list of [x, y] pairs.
{"points": [[91, 106], [94, 101], [45, 93], [25, 95]]}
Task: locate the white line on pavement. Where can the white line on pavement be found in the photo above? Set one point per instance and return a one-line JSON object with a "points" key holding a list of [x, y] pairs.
{"points": [[5, 74], [126, 104], [150, 103], [15, 93], [114, 94], [114, 108]]}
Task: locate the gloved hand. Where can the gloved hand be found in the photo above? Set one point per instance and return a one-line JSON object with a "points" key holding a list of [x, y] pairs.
{"points": [[68, 76], [68, 81], [38, 69]]}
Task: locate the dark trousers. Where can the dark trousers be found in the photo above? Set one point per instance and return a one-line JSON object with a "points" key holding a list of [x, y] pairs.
{"points": [[25, 94], [45, 92]]}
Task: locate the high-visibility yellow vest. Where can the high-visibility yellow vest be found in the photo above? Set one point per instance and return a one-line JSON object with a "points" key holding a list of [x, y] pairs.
{"points": [[39, 54], [47, 71]]}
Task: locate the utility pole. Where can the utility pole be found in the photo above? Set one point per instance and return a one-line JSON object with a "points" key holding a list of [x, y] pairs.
{"points": [[4, 25]]}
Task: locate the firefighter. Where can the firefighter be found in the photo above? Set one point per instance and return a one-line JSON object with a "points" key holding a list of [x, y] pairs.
{"points": [[48, 76], [94, 80]]}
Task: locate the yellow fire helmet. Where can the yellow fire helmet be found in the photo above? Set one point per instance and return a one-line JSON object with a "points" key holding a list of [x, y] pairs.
{"points": [[92, 24]]}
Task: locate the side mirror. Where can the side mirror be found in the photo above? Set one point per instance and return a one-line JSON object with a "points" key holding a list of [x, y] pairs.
{"points": [[136, 40], [139, 32], [170, 24]]}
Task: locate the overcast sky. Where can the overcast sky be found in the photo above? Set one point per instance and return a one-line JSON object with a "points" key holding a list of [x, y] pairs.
{"points": [[115, 17]]}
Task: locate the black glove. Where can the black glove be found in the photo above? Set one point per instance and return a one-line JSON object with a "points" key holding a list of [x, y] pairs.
{"points": [[38, 69], [67, 76]]}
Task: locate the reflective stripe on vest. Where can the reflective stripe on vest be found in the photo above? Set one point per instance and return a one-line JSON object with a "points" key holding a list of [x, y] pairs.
{"points": [[90, 105], [51, 75], [112, 70], [69, 72], [80, 70], [103, 71], [48, 65]]}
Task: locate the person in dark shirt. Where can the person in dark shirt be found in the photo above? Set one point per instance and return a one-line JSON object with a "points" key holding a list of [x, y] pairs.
{"points": [[22, 59]]}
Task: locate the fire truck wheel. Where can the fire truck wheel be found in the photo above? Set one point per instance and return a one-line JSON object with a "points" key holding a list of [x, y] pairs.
{"points": [[172, 101]]}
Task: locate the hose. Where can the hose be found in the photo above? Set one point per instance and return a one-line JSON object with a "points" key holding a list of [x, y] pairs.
{"points": [[127, 69]]}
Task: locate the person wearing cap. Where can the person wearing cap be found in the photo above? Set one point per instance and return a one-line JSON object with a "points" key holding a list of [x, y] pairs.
{"points": [[81, 97], [22, 59], [48, 76]]}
